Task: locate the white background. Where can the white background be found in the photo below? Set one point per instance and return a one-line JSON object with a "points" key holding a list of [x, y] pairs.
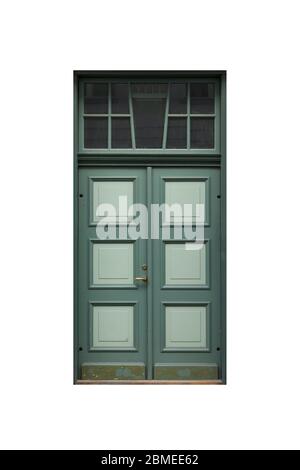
{"points": [[257, 42]]}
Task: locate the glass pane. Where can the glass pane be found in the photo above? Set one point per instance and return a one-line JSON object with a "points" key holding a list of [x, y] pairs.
{"points": [[178, 98], [149, 90], [202, 98], [95, 133], [120, 133], [119, 98], [202, 133], [149, 104], [176, 138], [95, 98], [149, 118]]}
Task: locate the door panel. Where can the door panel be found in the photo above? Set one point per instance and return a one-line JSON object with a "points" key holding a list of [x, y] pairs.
{"points": [[112, 327], [186, 303], [186, 268], [112, 263], [112, 305]]}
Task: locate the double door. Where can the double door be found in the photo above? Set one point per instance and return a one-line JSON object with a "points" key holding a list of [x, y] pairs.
{"points": [[149, 295]]}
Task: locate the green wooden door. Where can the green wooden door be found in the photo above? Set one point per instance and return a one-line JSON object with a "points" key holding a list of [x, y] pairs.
{"points": [[186, 285], [112, 304], [166, 327]]}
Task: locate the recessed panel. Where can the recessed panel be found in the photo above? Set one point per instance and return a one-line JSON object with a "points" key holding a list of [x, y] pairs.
{"points": [[186, 327], [112, 327], [109, 192], [185, 192], [112, 263], [185, 267]]}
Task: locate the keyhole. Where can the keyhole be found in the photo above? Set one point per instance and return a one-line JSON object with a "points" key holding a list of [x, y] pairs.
{"points": [[80, 195]]}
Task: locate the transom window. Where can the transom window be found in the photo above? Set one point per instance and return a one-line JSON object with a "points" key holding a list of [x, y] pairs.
{"points": [[149, 115]]}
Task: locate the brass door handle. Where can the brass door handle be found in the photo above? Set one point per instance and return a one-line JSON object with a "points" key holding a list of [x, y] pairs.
{"points": [[142, 278]]}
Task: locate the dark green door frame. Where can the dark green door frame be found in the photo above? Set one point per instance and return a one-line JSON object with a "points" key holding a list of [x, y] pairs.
{"points": [[147, 158]]}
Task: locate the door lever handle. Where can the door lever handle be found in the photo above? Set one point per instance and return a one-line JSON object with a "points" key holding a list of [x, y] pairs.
{"points": [[142, 278]]}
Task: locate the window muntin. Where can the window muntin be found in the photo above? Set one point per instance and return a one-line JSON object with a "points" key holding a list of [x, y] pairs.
{"points": [[175, 115]]}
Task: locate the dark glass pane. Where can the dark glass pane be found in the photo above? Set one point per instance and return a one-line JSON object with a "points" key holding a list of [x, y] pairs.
{"points": [[150, 90], [149, 115], [202, 98], [176, 138], [149, 105], [178, 96], [96, 98], [119, 98], [120, 133], [202, 133], [95, 133]]}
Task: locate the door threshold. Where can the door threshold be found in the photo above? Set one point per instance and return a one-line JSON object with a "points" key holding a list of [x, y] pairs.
{"points": [[149, 382]]}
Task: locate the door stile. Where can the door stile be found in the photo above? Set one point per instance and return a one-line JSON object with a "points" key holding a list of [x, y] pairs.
{"points": [[149, 362]]}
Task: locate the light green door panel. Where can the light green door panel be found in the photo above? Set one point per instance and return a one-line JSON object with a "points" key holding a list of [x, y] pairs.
{"points": [[113, 263], [185, 267], [107, 191], [181, 192], [186, 327], [112, 327]]}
